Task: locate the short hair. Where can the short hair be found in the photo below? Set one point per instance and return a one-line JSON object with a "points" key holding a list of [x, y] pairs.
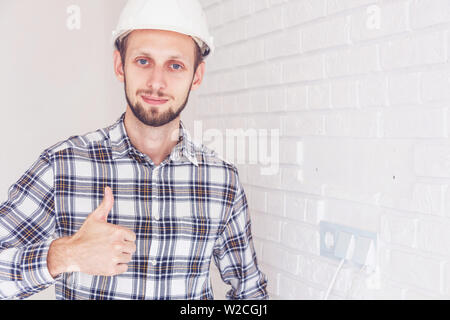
{"points": [[121, 45]]}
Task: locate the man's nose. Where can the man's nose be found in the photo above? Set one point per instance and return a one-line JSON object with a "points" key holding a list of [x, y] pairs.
{"points": [[156, 79]]}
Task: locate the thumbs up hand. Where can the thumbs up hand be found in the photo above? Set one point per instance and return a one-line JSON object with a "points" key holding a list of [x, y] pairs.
{"points": [[101, 248]]}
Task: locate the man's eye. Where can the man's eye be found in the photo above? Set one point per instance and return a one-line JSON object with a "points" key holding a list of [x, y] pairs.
{"points": [[140, 60], [177, 66]]}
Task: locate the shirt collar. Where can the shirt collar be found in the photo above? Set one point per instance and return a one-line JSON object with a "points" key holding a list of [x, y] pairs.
{"points": [[121, 144]]}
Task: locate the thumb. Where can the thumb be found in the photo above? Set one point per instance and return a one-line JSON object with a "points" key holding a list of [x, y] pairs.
{"points": [[105, 207]]}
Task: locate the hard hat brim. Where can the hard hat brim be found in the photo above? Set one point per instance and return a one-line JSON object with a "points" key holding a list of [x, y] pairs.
{"points": [[206, 47]]}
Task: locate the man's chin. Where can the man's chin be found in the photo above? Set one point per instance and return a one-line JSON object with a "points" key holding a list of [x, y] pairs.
{"points": [[153, 117]]}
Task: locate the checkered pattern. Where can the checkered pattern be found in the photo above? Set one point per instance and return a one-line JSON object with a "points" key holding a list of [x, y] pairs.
{"points": [[185, 212]]}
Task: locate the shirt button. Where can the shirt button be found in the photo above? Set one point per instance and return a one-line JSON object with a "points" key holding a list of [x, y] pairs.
{"points": [[153, 262], [157, 216]]}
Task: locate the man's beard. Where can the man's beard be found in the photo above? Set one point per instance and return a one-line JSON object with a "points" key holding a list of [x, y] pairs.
{"points": [[151, 118]]}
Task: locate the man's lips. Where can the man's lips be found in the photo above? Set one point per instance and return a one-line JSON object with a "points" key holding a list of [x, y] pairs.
{"points": [[154, 100]]}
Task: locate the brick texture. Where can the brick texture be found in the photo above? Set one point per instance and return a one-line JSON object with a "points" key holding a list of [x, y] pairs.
{"points": [[360, 92]]}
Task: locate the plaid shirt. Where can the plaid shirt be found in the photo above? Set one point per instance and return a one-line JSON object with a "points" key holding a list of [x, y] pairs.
{"points": [[186, 211]]}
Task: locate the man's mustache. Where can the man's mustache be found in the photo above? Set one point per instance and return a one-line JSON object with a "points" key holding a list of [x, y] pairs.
{"points": [[152, 93]]}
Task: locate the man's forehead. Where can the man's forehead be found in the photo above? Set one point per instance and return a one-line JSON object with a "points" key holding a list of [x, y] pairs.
{"points": [[146, 43], [162, 35]]}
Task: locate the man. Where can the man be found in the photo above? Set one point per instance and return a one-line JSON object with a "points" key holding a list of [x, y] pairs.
{"points": [[135, 210]]}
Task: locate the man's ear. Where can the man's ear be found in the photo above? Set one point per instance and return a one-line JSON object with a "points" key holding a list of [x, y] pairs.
{"points": [[118, 66], [198, 76]]}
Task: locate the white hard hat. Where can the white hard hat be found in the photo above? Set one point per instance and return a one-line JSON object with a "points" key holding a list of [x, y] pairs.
{"points": [[182, 16]]}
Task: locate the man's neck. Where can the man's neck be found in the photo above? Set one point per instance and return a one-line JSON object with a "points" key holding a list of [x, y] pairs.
{"points": [[155, 142]]}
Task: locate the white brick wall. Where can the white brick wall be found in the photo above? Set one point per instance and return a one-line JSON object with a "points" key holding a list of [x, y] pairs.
{"points": [[360, 91]]}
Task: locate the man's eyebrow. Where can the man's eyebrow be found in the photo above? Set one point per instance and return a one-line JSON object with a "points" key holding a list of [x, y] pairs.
{"points": [[147, 54]]}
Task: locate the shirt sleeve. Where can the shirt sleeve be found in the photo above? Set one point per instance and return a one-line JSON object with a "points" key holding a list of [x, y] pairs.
{"points": [[27, 226], [235, 256]]}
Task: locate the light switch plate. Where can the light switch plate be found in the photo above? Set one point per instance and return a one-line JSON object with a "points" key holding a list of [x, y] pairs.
{"points": [[365, 242]]}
